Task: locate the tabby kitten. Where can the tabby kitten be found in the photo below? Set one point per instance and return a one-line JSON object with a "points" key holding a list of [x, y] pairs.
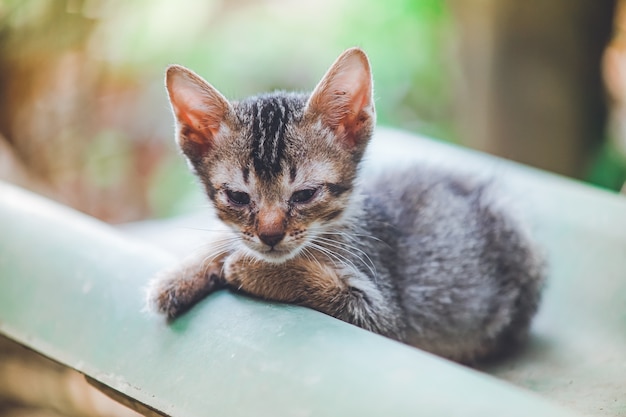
{"points": [[420, 256]]}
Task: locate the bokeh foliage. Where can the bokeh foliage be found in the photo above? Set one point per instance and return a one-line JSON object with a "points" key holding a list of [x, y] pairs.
{"points": [[242, 47], [107, 146], [248, 47]]}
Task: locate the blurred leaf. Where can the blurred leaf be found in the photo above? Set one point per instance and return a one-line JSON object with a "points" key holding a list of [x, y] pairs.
{"points": [[609, 168], [109, 158], [173, 190]]}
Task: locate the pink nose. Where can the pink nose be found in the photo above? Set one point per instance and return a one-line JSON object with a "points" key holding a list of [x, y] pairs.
{"points": [[271, 226], [271, 239]]}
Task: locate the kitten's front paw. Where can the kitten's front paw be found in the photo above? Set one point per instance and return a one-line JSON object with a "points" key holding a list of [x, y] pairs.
{"points": [[175, 291]]}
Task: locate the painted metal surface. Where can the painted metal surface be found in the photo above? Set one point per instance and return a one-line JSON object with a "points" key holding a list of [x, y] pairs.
{"points": [[72, 289]]}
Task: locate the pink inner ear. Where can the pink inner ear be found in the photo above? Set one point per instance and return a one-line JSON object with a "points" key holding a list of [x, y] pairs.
{"points": [[198, 107], [360, 100], [201, 119], [344, 96], [201, 124]]}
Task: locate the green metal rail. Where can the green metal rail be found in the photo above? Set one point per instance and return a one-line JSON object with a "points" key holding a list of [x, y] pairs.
{"points": [[71, 288]]}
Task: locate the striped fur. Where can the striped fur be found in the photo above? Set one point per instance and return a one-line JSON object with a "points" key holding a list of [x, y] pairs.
{"points": [[271, 114]]}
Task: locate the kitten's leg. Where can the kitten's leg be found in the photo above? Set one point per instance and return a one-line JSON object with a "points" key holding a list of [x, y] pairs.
{"points": [[342, 293], [174, 291]]}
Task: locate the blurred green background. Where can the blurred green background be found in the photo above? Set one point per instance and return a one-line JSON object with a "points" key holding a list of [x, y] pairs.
{"points": [[84, 117]]}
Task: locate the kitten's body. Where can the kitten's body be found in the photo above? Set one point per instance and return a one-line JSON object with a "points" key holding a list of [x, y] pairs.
{"points": [[417, 255], [476, 284]]}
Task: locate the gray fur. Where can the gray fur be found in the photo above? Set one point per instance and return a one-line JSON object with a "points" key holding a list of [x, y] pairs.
{"points": [[457, 273]]}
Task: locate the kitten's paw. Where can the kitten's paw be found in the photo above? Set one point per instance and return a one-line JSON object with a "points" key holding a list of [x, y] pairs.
{"points": [[163, 296], [236, 266], [173, 292]]}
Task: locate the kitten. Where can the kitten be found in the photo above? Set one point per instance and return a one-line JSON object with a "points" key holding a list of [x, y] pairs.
{"points": [[420, 256]]}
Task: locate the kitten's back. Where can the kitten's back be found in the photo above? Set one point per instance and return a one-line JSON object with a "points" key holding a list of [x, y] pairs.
{"points": [[467, 276]]}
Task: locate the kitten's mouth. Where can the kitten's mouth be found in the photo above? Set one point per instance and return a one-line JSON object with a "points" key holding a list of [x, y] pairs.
{"points": [[276, 255]]}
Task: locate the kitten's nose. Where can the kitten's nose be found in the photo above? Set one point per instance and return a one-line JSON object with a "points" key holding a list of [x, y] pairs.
{"points": [[271, 239], [271, 225]]}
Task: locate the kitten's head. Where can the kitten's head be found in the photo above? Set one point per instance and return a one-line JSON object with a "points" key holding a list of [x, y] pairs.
{"points": [[279, 168]]}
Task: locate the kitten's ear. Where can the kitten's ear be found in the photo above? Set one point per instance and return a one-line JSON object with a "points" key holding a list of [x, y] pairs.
{"points": [[343, 98], [200, 110]]}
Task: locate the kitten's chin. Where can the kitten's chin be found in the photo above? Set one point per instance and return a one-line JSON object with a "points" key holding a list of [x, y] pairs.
{"points": [[275, 256]]}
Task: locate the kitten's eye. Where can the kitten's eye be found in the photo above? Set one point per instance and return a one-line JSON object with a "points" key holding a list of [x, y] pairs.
{"points": [[238, 198], [303, 196]]}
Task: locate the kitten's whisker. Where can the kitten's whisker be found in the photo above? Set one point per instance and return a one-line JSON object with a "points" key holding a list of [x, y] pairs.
{"points": [[311, 257], [342, 260], [208, 262], [349, 234], [216, 253], [216, 249], [347, 248], [219, 248], [354, 236], [330, 255], [345, 243], [343, 233]]}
